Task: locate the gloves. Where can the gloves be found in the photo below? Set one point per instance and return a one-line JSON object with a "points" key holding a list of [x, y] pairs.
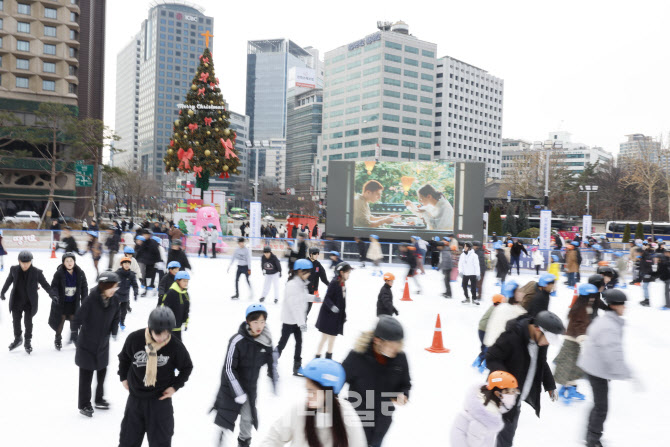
{"points": [[554, 395], [241, 399], [114, 337], [54, 298], [3, 297], [335, 310], [396, 313], [303, 328], [248, 272]]}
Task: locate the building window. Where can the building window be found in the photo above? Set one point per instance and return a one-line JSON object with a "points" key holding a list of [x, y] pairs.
{"points": [[72, 70], [1, 23], [395, 46], [371, 129], [391, 105], [49, 67], [21, 82], [391, 93], [411, 49], [408, 143], [390, 81], [427, 65], [24, 9], [407, 108], [49, 49], [410, 85], [351, 144], [49, 86], [2, 5], [73, 35], [74, 17], [23, 27], [427, 53], [426, 77], [49, 31], [391, 141], [412, 62], [50, 13], [411, 74], [22, 45], [72, 88], [393, 58], [369, 141], [409, 97], [389, 117], [22, 64], [73, 52], [393, 70], [390, 129]]}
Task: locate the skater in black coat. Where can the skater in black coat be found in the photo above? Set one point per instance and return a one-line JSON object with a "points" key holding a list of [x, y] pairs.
{"points": [[318, 273], [408, 256], [127, 280], [545, 286], [299, 250], [502, 264], [512, 353], [177, 254], [23, 300], [362, 250], [69, 282], [178, 301], [112, 243], [385, 298], [151, 380], [166, 281], [248, 350], [333, 312], [67, 242], [377, 368], [96, 319]]}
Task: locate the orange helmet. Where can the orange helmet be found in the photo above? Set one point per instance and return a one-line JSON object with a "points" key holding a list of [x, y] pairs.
{"points": [[569, 247], [498, 298], [501, 380], [126, 259], [603, 263], [389, 277], [411, 248], [510, 244]]}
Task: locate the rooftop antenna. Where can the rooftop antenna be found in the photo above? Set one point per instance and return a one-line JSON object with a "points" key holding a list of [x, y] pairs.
{"points": [[384, 26]]}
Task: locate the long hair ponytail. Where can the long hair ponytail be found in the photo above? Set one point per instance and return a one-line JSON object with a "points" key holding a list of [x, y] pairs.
{"points": [[339, 430]]}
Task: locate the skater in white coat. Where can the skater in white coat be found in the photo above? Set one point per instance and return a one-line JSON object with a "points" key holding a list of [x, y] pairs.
{"points": [[468, 269], [503, 313]]}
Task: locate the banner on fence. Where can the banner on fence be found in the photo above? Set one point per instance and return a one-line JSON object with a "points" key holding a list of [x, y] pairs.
{"points": [[255, 219], [545, 229], [588, 225]]}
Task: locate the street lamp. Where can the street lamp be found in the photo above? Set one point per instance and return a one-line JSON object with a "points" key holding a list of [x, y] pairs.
{"points": [[264, 144], [588, 189], [547, 145]]}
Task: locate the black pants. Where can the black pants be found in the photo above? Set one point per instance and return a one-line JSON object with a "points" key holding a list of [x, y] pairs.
{"points": [[25, 311], [151, 416], [447, 281], [537, 269], [515, 260], [506, 435], [286, 331], [213, 250], [435, 259], [85, 381], [150, 275], [375, 434], [203, 248], [667, 293], [123, 308], [472, 279], [309, 307], [599, 411], [241, 270]]}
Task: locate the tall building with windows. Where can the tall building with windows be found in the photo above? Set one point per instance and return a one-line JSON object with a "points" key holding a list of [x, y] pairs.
{"points": [[170, 44], [468, 114], [637, 144], [127, 116], [378, 99], [237, 187]]}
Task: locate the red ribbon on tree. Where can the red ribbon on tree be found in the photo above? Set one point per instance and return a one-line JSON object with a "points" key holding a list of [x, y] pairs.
{"points": [[205, 60], [201, 91], [184, 157], [212, 85], [208, 121], [204, 77], [228, 145], [171, 143], [193, 127], [224, 175], [198, 170]]}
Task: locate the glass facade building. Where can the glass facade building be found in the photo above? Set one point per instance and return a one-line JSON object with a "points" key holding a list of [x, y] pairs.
{"points": [[303, 129]]}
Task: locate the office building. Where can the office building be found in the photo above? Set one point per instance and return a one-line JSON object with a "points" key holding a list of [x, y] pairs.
{"points": [[127, 106], [237, 187], [378, 99], [468, 114], [170, 44], [638, 144]]}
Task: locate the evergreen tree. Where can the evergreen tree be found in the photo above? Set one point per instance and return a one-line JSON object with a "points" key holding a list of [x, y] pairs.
{"points": [[626, 234], [509, 225], [495, 222], [202, 142], [522, 223], [639, 231]]}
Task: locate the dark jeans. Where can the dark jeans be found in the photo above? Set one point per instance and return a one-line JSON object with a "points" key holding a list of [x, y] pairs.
{"points": [[515, 260], [447, 281], [537, 269], [599, 411], [241, 270], [571, 279], [85, 381], [213, 249], [506, 435], [472, 279], [482, 354], [286, 331], [151, 416], [480, 283], [667, 293], [123, 309], [203, 248], [111, 259], [27, 313], [150, 275], [375, 434]]}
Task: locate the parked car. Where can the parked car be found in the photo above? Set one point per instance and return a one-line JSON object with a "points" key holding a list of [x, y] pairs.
{"points": [[24, 216], [238, 216], [67, 220]]}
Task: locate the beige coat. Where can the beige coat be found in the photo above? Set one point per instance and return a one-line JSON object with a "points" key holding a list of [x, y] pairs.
{"points": [[571, 264]]}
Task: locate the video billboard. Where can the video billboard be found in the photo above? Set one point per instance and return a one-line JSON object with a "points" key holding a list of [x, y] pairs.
{"points": [[396, 200]]}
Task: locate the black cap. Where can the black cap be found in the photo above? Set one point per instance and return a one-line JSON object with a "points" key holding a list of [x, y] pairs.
{"points": [[343, 267], [69, 254], [550, 322], [597, 280], [614, 296], [389, 329], [314, 250], [108, 277], [162, 319], [267, 249], [25, 256]]}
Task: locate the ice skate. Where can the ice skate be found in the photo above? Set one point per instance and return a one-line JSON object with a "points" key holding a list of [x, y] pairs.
{"points": [[262, 299], [58, 343], [297, 364], [102, 404], [235, 297], [28, 346], [644, 303], [16, 343], [87, 411]]}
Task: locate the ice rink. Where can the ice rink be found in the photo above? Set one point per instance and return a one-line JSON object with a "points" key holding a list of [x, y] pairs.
{"points": [[39, 393]]}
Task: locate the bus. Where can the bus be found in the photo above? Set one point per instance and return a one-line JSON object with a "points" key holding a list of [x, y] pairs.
{"points": [[615, 228]]}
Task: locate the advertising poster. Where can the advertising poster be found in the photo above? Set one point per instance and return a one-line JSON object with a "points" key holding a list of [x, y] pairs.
{"points": [[255, 219], [411, 196], [588, 225], [545, 229]]}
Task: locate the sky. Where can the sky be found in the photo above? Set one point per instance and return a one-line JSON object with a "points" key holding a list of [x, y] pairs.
{"points": [[597, 69]]}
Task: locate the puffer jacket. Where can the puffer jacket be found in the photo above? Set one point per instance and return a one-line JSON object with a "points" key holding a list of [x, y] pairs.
{"points": [[296, 297], [468, 264], [602, 351], [503, 313], [446, 261], [477, 425], [375, 251]]}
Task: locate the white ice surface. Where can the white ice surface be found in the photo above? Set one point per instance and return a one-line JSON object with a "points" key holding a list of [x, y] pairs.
{"points": [[38, 399]]}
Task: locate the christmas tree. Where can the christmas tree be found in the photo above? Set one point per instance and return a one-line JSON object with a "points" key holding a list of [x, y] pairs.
{"points": [[202, 142]]}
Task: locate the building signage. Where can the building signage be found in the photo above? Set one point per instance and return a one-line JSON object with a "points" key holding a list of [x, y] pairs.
{"points": [[302, 77], [366, 41], [588, 223], [191, 18], [255, 219]]}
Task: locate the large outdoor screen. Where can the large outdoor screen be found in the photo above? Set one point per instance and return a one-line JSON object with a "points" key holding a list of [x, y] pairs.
{"points": [[396, 200]]}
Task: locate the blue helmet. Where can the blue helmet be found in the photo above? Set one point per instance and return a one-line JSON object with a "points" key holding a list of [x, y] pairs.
{"points": [[498, 245], [546, 279], [436, 238], [182, 275], [416, 238], [639, 244], [211, 225], [129, 250], [335, 253], [157, 239], [554, 258], [325, 372], [587, 289], [255, 308], [141, 238], [374, 236], [174, 265], [575, 243], [303, 264], [92, 233], [509, 288], [597, 247], [447, 239]]}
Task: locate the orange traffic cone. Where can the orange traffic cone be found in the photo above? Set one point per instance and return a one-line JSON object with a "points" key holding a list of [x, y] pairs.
{"points": [[437, 339], [53, 251], [405, 294], [574, 298]]}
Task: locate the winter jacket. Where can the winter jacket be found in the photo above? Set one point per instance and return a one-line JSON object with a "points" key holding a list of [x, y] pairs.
{"points": [[571, 262], [180, 257], [540, 302], [375, 251], [647, 272], [516, 250], [290, 427], [478, 424], [175, 234], [468, 264], [602, 352], [213, 236], [371, 379], [162, 264], [272, 265], [501, 315], [409, 258], [148, 253], [242, 256], [510, 353], [133, 366], [538, 258], [135, 267], [95, 323], [69, 245], [578, 317], [244, 357], [164, 285], [481, 256], [296, 297], [332, 314], [446, 261], [484, 320], [59, 286], [385, 302], [35, 277], [128, 281], [502, 264], [298, 251], [318, 273], [203, 236], [178, 301], [113, 241]]}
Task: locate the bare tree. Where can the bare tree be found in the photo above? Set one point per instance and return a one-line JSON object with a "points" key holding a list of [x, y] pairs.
{"points": [[645, 174]]}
